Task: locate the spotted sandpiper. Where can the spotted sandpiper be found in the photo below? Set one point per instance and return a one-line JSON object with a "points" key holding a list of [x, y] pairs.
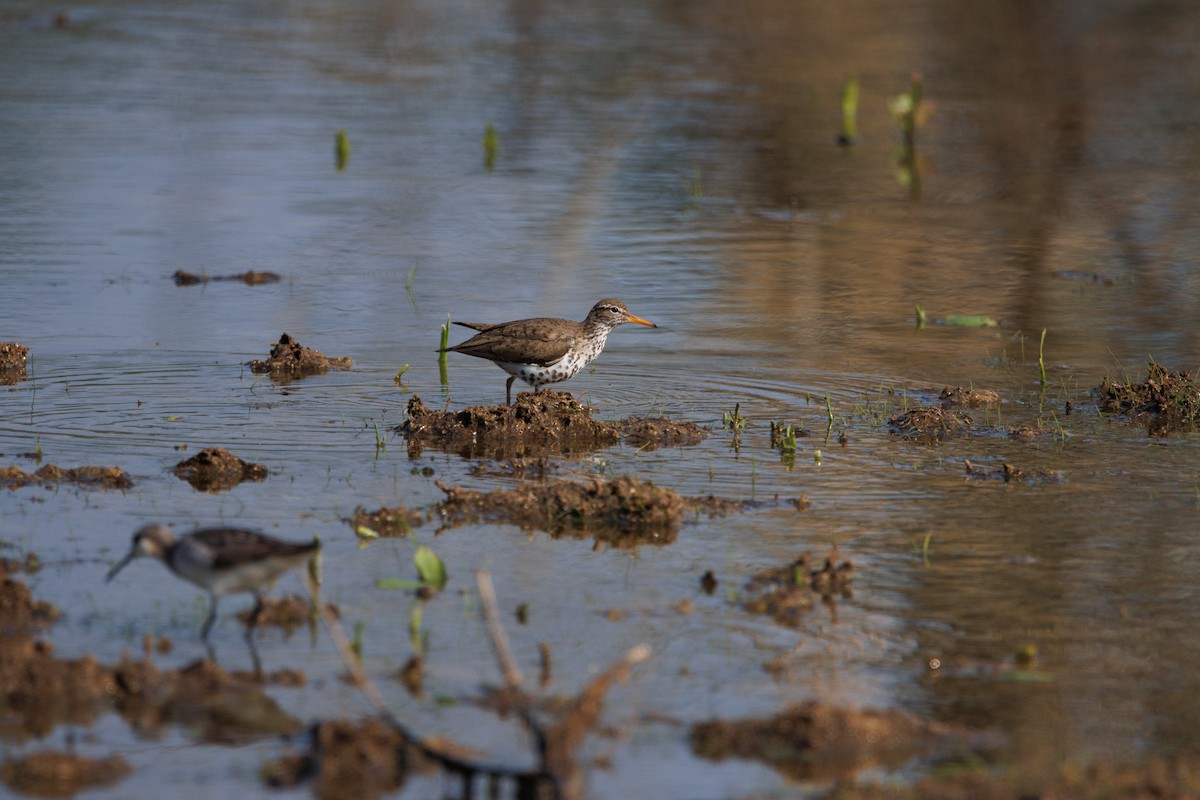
{"points": [[220, 561], [545, 350]]}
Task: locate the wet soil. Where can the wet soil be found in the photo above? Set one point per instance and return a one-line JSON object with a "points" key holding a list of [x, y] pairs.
{"points": [[288, 612], [12, 363], [1166, 402], [288, 360], [963, 397], [58, 774], [1176, 777], [250, 278], [49, 475], [818, 741], [931, 424], [787, 593], [395, 521], [623, 511], [537, 424], [215, 470], [1009, 473], [347, 759]]}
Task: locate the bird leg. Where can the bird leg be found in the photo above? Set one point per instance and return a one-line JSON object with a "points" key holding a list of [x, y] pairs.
{"points": [[212, 617], [508, 389], [255, 614]]}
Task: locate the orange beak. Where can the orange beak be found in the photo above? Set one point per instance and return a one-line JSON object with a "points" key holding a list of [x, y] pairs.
{"points": [[639, 321]]}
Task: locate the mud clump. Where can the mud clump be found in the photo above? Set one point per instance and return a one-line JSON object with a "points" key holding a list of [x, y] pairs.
{"points": [[87, 477], [929, 424], [1009, 473], [963, 397], [652, 433], [819, 741], [347, 759], [289, 612], [537, 424], [12, 363], [250, 278], [787, 593], [288, 359], [624, 511], [215, 469], [57, 774], [393, 522], [1166, 401]]}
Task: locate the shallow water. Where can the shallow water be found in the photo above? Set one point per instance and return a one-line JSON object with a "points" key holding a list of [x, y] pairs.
{"points": [[681, 158]]}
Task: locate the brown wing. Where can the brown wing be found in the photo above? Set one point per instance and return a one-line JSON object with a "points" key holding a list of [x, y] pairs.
{"points": [[541, 340], [231, 546]]}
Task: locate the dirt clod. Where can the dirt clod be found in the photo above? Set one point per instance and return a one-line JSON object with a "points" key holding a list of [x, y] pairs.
{"points": [[787, 593], [56, 774], [964, 397], [87, 477], [289, 360], [346, 759], [393, 521], [12, 363], [288, 612], [250, 278], [623, 511], [215, 469], [930, 424], [1166, 401], [814, 740], [652, 433]]}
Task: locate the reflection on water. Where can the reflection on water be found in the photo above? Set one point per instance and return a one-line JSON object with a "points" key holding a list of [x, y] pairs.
{"points": [[681, 157]]}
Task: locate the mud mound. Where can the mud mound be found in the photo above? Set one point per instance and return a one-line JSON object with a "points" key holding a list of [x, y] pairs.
{"points": [[347, 759], [963, 397], [250, 278], [290, 360], [88, 477], [12, 363], [538, 423], [215, 469], [818, 741], [651, 433], [787, 593], [930, 424], [396, 521], [288, 612], [624, 511], [57, 774], [1166, 401]]}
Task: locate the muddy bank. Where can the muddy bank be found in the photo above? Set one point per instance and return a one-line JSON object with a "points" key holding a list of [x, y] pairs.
{"points": [[537, 424], [818, 741], [1166, 402], [58, 774], [50, 475], [289, 360], [215, 470], [624, 511]]}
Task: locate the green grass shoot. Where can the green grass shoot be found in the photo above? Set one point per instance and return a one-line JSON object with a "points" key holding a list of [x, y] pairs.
{"points": [[1041, 359], [849, 111], [445, 341], [920, 317], [491, 147], [970, 321], [341, 149]]}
